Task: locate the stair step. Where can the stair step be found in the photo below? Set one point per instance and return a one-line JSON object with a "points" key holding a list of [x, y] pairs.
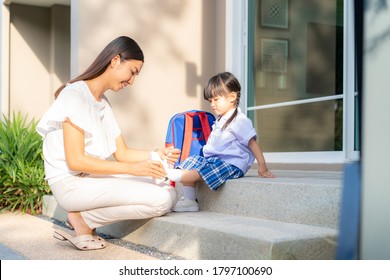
{"points": [[304, 197], [294, 216], [208, 235]]}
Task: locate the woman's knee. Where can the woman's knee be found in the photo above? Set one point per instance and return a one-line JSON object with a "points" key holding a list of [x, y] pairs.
{"points": [[163, 203]]}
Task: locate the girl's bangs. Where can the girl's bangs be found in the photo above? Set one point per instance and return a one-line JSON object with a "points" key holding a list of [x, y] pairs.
{"points": [[214, 89]]}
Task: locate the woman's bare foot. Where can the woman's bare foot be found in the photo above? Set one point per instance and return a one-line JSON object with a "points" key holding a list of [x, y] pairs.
{"points": [[78, 223]]}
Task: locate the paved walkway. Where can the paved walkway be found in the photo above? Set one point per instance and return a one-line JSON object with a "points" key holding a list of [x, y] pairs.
{"points": [[23, 236]]}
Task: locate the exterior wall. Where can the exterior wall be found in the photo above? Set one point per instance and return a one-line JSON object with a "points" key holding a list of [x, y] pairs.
{"points": [[183, 42], [179, 40], [4, 58], [29, 60], [59, 47], [375, 225], [39, 56]]}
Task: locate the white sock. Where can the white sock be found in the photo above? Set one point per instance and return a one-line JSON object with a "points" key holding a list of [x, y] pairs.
{"points": [[174, 175], [189, 192]]}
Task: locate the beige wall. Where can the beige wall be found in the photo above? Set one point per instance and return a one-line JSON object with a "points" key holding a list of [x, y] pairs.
{"points": [[183, 43], [29, 60], [59, 46], [4, 60], [39, 56]]}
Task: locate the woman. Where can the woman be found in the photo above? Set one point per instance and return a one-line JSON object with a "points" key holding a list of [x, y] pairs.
{"points": [[80, 133]]}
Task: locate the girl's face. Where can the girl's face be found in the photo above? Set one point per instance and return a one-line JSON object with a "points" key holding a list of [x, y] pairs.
{"points": [[125, 72], [221, 104]]}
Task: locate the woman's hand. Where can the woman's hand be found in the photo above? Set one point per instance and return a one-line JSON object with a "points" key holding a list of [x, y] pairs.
{"points": [[148, 168]]}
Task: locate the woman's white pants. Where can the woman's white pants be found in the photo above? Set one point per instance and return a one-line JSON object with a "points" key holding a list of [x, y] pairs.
{"points": [[106, 199]]}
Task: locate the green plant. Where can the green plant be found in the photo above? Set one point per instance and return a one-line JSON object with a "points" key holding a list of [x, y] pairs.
{"points": [[22, 183]]}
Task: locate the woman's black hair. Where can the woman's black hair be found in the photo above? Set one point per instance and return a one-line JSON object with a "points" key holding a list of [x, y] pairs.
{"points": [[223, 84], [123, 46]]}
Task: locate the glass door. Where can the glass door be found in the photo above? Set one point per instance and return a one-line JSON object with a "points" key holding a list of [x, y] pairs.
{"points": [[299, 78]]}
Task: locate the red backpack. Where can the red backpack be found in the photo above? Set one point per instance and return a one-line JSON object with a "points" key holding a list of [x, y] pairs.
{"points": [[189, 131]]}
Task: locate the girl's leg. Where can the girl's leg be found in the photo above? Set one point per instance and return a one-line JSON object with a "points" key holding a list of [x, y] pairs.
{"points": [[189, 179], [186, 177], [188, 202]]}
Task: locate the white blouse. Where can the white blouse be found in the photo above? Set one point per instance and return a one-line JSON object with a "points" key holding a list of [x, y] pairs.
{"points": [[77, 103], [231, 144]]}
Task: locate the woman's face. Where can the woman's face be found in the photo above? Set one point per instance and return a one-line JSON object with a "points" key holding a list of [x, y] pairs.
{"points": [[125, 73]]}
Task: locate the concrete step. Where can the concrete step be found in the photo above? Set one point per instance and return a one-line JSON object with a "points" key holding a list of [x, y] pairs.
{"points": [[208, 235], [294, 216], [211, 236], [303, 197]]}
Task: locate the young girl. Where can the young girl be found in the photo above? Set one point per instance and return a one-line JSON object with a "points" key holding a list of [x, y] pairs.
{"points": [[230, 150]]}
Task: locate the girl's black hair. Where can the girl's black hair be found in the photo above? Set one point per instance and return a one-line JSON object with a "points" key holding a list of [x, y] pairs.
{"points": [[123, 46], [223, 84]]}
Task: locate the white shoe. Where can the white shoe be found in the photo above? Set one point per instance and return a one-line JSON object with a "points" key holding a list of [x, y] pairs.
{"points": [[186, 205]]}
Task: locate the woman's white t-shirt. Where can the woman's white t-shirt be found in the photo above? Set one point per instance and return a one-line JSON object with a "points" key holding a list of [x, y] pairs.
{"points": [[77, 103]]}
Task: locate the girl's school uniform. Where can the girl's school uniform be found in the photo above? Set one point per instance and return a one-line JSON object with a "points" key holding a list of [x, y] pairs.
{"points": [[226, 153]]}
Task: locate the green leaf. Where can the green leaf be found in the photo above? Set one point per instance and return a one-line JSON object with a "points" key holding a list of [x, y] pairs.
{"points": [[22, 183]]}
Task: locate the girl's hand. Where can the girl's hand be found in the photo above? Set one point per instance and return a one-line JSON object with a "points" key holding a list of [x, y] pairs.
{"points": [[265, 173], [170, 154]]}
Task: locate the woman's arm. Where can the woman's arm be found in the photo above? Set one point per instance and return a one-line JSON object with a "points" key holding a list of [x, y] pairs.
{"points": [[77, 160], [125, 154]]}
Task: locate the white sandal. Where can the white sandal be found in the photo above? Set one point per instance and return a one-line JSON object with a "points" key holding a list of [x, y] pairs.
{"points": [[82, 242], [94, 234]]}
